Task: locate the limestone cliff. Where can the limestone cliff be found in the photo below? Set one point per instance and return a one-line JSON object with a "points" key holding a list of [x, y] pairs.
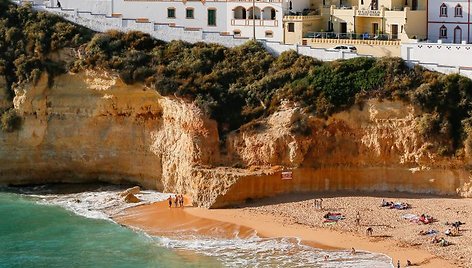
{"points": [[91, 126]]}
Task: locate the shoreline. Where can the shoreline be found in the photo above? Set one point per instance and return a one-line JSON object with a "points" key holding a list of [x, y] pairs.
{"points": [[157, 219], [269, 226]]}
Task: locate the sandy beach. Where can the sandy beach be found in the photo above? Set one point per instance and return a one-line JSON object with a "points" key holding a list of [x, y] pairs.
{"points": [[296, 216]]}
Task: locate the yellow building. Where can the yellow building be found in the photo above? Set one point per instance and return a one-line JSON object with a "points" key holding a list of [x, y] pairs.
{"points": [[380, 19], [298, 27], [375, 20]]}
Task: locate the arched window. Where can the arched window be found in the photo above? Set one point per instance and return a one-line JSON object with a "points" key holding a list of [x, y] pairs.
{"points": [[237, 32], [240, 13], [269, 34], [268, 13], [457, 35], [257, 13], [443, 32], [458, 11], [443, 10]]}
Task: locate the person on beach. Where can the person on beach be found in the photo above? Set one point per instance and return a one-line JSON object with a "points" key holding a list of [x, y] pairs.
{"points": [[181, 200], [321, 203], [176, 201], [398, 264], [326, 257], [369, 231], [353, 251], [448, 232], [358, 219], [316, 203], [170, 201]]}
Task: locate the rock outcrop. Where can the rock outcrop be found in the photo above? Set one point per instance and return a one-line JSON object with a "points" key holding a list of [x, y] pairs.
{"points": [[90, 126], [131, 198], [133, 190]]}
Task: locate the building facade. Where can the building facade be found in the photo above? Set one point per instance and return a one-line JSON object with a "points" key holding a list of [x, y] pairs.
{"points": [[384, 19], [241, 18], [449, 21]]}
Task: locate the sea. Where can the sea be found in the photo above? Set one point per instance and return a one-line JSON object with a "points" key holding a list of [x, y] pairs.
{"points": [[70, 226]]}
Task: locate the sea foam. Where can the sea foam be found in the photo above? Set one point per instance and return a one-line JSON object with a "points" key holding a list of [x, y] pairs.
{"points": [[252, 251]]}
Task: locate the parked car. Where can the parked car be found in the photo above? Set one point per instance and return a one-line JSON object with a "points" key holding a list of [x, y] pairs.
{"points": [[345, 48]]}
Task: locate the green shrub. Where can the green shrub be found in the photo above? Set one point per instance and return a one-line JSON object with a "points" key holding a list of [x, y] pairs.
{"points": [[10, 121], [236, 86]]}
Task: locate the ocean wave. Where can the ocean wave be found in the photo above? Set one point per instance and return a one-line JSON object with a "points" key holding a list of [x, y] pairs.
{"points": [[273, 252], [237, 251], [98, 204]]}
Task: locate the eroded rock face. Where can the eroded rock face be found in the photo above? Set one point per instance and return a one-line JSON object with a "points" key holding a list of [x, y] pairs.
{"points": [[90, 126]]}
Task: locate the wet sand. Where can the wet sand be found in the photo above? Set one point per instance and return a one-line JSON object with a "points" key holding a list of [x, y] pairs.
{"points": [[288, 218]]}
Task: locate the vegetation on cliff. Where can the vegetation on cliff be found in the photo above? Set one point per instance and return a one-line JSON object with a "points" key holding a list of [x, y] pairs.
{"points": [[27, 38], [235, 86]]}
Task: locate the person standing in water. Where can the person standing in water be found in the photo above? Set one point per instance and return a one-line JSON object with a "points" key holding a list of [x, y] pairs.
{"points": [[170, 201]]}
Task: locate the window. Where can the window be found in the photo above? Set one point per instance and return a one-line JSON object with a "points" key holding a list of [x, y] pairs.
{"points": [[458, 11], [291, 27], [237, 33], [269, 34], [171, 13], [443, 10], [211, 17], [443, 32], [374, 5], [189, 13]]}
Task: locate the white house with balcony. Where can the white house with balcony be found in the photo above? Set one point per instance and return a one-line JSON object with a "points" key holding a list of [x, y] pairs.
{"points": [[449, 21], [241, 18]]}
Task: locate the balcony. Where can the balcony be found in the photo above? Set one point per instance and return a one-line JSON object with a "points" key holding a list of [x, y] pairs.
{"points": [[351, 36], [305, 12], [257, 22]]}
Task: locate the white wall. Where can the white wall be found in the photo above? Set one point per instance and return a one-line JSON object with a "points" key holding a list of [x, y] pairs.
{"points": [[94, 6], [157, 12], [276, 27], [297, 5], [445, 58]]}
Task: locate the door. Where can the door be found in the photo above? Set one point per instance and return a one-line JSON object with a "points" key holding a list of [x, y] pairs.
{"points": [[375, 28], [394, 31], [457, 35], [343, 29]]}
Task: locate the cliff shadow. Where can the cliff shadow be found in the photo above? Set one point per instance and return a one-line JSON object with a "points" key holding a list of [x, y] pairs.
{"points": [[305, 196]]}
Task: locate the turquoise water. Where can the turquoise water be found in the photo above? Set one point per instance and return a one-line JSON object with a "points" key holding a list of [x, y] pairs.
{"points": [[34, 235], [42, 228]]}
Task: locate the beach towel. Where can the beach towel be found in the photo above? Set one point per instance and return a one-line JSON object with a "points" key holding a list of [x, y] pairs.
{"points": [[410, 217]]}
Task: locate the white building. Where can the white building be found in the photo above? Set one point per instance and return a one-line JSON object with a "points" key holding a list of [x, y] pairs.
{"points": [[233, 17], [449, 21]]}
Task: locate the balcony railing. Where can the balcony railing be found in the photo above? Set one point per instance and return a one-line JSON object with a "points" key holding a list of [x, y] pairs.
{"points": [[364, 36], [257, 22], [305, 12]]}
